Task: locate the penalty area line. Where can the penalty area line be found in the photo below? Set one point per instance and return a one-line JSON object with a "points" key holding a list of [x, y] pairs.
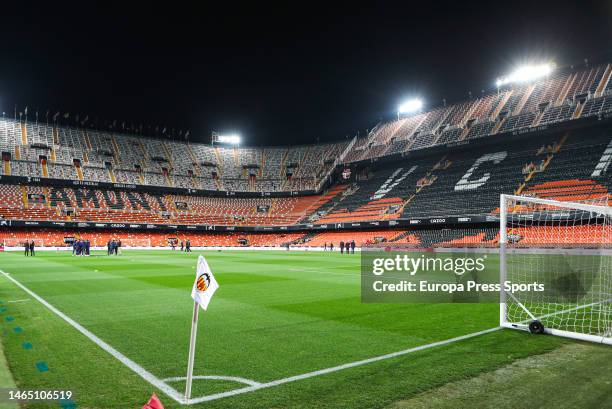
{"points": [[139, 370], [319, 372]]}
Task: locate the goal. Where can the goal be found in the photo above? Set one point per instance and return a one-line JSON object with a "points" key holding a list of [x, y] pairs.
{"points": [[559, 256]]}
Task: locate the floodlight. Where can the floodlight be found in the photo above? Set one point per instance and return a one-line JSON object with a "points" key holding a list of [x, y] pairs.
{"points": [[526, 73], [409, 106], [230, 139]]}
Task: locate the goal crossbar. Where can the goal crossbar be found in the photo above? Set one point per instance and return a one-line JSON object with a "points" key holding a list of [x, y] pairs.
{"points": [[605, 210]]}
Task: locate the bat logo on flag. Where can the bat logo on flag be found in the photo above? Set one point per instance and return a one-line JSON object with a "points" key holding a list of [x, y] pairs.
{"points": [[203, 282], [204, 285]]}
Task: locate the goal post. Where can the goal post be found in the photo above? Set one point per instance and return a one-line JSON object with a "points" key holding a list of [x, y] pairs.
{"points": [[563, 249]]}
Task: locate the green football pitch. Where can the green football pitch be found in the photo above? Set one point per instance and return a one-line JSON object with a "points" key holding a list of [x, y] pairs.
{"points": [[285, 329]]}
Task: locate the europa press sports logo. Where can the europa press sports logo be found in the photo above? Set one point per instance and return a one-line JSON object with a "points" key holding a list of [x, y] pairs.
{"points": [[203, 282]]}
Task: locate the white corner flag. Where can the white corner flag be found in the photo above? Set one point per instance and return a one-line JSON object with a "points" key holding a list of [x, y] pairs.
{"points": [[204, 287]]}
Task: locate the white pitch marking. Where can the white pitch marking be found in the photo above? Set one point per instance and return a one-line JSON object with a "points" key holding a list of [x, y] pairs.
{"points": [[215, 377], [307, 375], [22, 300], [174, 394], [139, 370]]}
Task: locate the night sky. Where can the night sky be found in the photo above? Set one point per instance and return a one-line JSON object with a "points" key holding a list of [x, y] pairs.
{"points": [[291, 75]]}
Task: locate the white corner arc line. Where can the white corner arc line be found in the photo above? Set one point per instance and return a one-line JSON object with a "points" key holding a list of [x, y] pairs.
{"points": [[174, 394], [216, 378], [312, 374], [139, 370]]}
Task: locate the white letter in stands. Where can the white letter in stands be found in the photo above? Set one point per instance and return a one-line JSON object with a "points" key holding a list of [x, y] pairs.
{"points": [[391, 182], [466, 184], [604, 162]]}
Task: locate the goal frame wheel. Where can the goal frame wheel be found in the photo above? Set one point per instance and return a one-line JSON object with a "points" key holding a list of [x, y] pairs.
{"points": [[536, 327]]}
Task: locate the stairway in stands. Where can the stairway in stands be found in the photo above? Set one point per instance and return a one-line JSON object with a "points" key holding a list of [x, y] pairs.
{"points": [[303, 239], [574, 175], [429, 179], [544, 161], [326, 202], [324, 199]]}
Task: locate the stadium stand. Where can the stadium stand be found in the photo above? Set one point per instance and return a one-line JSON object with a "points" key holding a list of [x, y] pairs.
{"points": [[361, 238], [84, 204], [452, 160], [464, 182], [421, 238]]}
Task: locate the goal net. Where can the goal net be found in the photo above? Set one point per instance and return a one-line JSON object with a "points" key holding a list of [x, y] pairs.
{"points": [[561, 254]]}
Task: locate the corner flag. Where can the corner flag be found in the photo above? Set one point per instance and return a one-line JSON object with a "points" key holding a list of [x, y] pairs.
{"points": [[204, 285], [153, 403], [203, 289]]}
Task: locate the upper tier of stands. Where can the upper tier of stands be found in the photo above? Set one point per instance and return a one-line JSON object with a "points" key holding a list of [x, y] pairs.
{"points": [[42, 150], [561, 97]]}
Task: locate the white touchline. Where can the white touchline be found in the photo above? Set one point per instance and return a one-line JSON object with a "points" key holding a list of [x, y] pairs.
{"points": [[254, 385], [143, 373]]}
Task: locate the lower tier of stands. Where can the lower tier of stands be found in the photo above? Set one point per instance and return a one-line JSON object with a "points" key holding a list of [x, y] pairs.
{"points": [[58, 238], [565, 236]]}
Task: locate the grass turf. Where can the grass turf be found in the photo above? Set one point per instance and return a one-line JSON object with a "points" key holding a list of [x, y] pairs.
{"points": [[276, 314]]}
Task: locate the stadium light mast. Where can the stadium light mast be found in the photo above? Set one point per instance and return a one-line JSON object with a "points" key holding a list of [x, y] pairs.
{"points": [[227, 139], [526, 73], [409, 106]]}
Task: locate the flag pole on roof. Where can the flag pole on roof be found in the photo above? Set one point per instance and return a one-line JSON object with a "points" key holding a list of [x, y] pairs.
{"points": [[203, 289]]}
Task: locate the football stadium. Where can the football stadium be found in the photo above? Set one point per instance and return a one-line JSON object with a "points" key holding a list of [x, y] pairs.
{"points": [[456, 254]]}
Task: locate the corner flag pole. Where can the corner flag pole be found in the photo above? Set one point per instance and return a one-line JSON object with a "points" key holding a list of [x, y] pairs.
{"points": [[204, 287], [192, 343]]}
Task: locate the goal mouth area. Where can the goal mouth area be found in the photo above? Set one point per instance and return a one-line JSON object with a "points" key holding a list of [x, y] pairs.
{"points": [[566, 246]]}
